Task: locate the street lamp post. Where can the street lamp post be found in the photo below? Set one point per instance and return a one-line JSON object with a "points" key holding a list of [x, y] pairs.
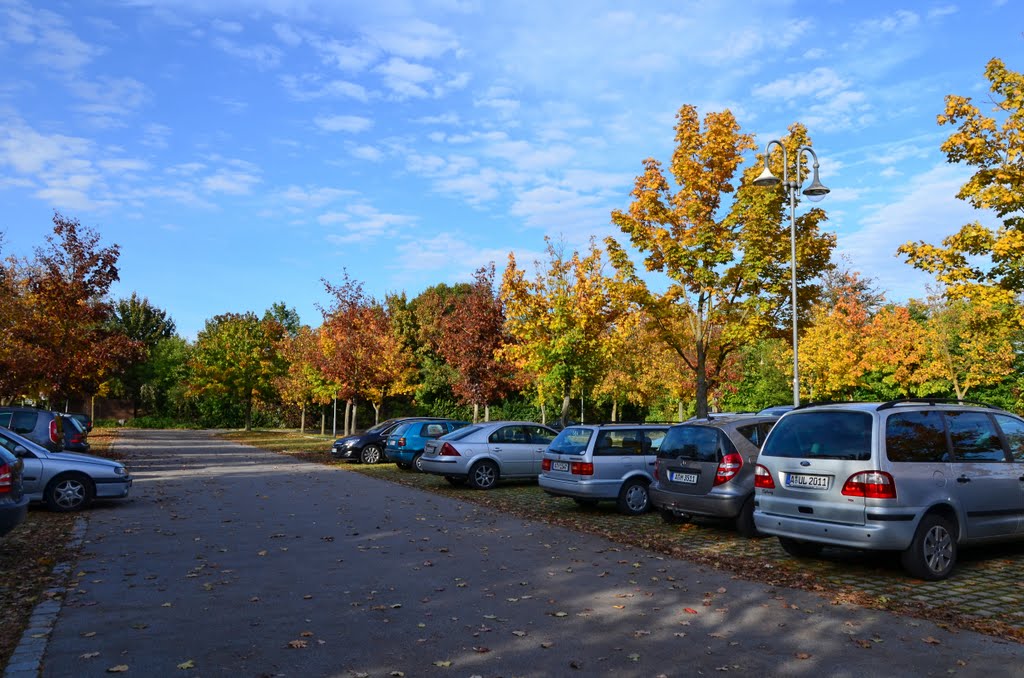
{"points": [[815, 192]]}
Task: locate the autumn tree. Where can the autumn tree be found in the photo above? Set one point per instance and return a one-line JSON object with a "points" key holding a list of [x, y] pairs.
{"points": [[469, 341], [727, 275], [979, 263], [832, 348], [236, 357], [302, 383], [557, 321], [144, 323], [20, 358], [895, 354], [633, 373], [67, 283]]}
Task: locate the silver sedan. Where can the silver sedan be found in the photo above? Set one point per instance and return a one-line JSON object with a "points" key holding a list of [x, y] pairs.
{"points": [[66, 481], [481, 454]]}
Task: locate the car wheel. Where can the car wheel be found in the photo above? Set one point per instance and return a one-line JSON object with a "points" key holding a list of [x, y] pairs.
{"points": [[370, 455], [799, 548], [417, 463], [483, 475], [633, 498], [745, 520], [932, 554], [585, 502], [69, 493], [455, 480], [673, 518]]}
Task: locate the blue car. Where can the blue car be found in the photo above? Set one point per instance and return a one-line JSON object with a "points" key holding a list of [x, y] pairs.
{"points": [[405, 443]]}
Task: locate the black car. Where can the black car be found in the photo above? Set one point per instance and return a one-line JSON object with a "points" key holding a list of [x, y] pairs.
{"points": [[42, 427], [76, 438], [84, 419], [13, 501], [368, 447]]}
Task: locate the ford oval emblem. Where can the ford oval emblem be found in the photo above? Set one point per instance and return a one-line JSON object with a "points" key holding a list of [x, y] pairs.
{"points": [[805, 463]]}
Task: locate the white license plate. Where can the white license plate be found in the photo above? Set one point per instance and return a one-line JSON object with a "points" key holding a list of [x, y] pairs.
{"points": [[688, 478], [810, 482], [559, 466]]}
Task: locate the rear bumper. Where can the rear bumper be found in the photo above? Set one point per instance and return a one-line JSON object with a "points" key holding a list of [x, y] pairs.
{"points": [[713, 504], [442, 466], [403, 456], [582, 489], [11, 515], [893, 535]]}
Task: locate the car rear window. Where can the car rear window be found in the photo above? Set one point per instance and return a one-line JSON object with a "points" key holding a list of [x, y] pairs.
{"points": [[916, 437], [23, 422], [460, 433], [821, 435], [693, 443], [573, 440]]}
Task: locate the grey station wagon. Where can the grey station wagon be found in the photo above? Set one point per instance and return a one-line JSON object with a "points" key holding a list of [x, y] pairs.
{"points": [[921, 477]]}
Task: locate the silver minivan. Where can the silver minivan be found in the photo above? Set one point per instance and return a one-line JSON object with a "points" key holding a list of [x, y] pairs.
{"points": [[595, 462], [917, 476]]}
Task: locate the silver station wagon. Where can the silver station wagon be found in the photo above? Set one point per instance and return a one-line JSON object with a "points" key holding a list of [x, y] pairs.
{"points": [[921, 477], [595, 462]]}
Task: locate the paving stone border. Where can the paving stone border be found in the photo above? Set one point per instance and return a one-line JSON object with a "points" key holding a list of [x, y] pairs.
{"points": [[26, 662]]}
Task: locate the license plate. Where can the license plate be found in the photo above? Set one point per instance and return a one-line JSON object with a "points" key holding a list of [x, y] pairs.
{"points": [[559, 466], [688, 478], [810, 482]]}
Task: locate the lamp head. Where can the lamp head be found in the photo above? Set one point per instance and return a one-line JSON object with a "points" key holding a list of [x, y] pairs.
{"points": [[817, 191], [768, 179]]}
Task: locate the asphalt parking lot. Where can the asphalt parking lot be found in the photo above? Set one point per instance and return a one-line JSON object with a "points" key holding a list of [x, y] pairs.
{"points": [[233, 561]]}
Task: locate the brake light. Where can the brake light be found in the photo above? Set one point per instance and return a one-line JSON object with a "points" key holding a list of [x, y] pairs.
{"points": [[728, 468], [545, 465], [870, 485], [763, 478], [657, 469], [401, 442], [54, 437], [6, 479], [76, 439], [581, 468], [448, 451]]}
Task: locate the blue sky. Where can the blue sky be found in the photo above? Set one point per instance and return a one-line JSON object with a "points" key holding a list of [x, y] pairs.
{"points": [[240, 150]]}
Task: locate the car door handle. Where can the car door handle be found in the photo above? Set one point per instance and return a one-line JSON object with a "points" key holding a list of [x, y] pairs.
{"points": [[496, 449], [963, 479]]}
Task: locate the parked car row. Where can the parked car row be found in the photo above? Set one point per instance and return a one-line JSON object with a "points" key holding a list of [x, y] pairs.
{"points": [[921, 477], [41, 460]]}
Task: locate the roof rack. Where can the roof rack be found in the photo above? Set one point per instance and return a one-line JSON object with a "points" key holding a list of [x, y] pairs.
{"points": [[816, 403], [627, 423], [934, 401]]}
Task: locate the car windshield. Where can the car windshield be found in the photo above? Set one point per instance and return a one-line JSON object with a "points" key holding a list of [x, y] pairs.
{"points": [[572, 440], [75, 424], [460, 433], [821, 435], [381, 426]]}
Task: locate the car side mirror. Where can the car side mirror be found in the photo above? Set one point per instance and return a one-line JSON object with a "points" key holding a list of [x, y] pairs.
{"points": [[20, 451]]}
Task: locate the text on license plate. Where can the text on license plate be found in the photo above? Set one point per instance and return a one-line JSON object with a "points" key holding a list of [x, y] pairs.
{"points": [[559, 466], [688, 478], [802, 480]]}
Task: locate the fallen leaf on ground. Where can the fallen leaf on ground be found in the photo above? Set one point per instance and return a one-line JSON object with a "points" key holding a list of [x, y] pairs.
{"points": [[187, 665], [120, 668], [443, 663], [802, 655], [689, 610], [932, 641], [298, 644], [89, 655]]}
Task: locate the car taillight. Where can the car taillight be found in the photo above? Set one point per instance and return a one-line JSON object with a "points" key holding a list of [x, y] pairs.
{"points": [[657, 469], [870, 485], [6, 479], [582, 468], [401, 442], [545, 465], [54, 437], [763, 478], [728, 468], [76, 439], [448, 451]]}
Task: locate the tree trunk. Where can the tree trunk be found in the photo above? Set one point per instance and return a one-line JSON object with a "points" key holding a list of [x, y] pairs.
{"points": [[376, 413], [302, 420], [323, 420], [702, 381], [355, 411], [566, 402], [615, 410], [680, 409], [248, 413], [487, 412], [347, 417], [543, 414], [476, 412]]}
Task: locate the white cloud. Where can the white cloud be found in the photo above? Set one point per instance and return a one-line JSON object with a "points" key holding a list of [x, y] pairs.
{"points": [[343, 123], [404, 77], [362, 222], [47, 37], [123, 165], [264, 56], [442, 119], [230, 182], [351, 58], [287, 35], [312, 197], [820, 82], [415, 39], [226, 26], [311, 87], [370, 153]]}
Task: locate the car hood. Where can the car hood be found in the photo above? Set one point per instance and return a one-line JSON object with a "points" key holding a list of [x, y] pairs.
{"points": [[85, 458], [347, 439]]}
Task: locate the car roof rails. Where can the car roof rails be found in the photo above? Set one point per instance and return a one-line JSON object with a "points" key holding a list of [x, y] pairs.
{"points": [[629, 423], [816, 403], [935, 401]]}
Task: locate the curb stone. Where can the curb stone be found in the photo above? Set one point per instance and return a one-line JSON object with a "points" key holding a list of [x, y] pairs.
{"points": [[27, 659]]}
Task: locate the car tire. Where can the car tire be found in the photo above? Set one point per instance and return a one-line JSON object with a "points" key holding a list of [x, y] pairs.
{"points": [[417, 463], [484, 475], [456, 481], [371, 454], [633, 498], [745, 520], [798, 548], [932, 554], [671, 518], [70, 492]]}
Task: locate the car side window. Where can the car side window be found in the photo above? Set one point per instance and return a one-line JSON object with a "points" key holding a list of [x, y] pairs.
{"points": [[621, 442], [916, 437], [654, 438], [751, 433], [540, 436], [23, 422], [1013, 431], [509, 435], [5, 419], [974, 437]]}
